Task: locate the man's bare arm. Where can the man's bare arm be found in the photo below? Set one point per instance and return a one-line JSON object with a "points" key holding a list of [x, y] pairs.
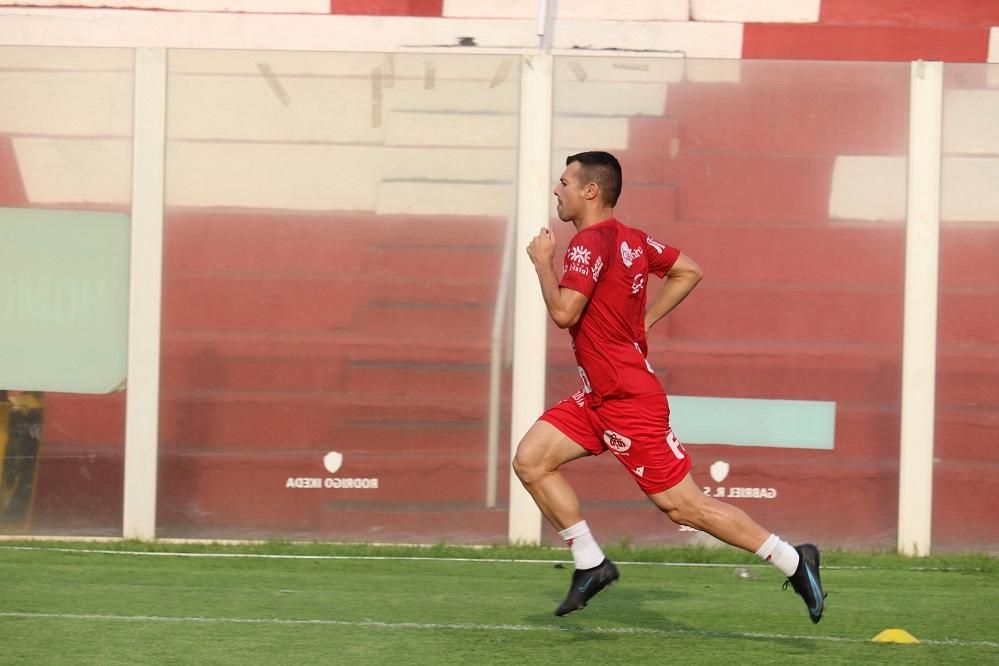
{"points": [[565, 306], [680, 281]]}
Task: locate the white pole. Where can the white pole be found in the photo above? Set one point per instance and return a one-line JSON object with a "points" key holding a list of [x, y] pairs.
{"points": [[534, 201], [919, 344], [496, 360], [546, 23], [145, 281]]}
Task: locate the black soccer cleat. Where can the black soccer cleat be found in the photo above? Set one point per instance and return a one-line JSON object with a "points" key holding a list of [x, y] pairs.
{"points": [[585, 585], [806, 582]]}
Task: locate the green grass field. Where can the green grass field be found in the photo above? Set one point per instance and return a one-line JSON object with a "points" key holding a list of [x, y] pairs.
{"points": [[280, 603]]}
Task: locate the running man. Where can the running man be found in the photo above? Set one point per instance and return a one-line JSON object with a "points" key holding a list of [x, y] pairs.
{"points": [[622, 407]]}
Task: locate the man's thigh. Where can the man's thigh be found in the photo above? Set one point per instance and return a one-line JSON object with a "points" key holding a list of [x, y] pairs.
{"points": [[574, 419], [638, 433]]}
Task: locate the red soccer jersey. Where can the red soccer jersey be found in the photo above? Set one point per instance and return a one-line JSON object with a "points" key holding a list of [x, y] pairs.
{"points": [[609, 263]]}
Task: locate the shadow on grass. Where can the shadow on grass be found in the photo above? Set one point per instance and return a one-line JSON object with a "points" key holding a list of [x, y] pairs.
{"points": [[624, 612]]}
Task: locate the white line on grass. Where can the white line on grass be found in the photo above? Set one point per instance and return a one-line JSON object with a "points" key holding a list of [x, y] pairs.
{"points": [[419, 558], [401, 558], [472, 626]]}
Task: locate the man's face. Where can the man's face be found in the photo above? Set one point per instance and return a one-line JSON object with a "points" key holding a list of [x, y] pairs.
{"points": [[569, 193]]}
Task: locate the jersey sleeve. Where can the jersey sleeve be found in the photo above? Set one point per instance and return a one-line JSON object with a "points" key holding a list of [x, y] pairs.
{"points": [[661, 256], [584, 263]]}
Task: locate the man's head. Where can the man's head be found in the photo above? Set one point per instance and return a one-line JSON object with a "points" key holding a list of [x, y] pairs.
{"points": [[603, 169], [592, 178]]}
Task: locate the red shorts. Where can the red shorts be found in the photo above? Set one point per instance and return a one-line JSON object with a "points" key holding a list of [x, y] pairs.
{"points": [[635, 430]]}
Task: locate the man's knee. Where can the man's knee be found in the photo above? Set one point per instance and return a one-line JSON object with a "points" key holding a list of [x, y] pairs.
{"points": [[529, 463], [683, 504], [521, 466]]}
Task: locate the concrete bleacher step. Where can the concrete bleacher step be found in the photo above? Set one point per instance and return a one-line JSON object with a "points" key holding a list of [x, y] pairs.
{"points": [[258, 302], [732, 311], [471, 262], [646, 206], [407, 379], [799, 115], [254, 419], [304, 303], [220, 241], [296, 419], [657, 133], [742, 187], [252, 364], [264, 361], [427, 319], [385, 434]]}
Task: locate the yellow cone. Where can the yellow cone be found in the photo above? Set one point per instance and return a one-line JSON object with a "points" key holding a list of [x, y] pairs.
{"points": [[895, 636]]}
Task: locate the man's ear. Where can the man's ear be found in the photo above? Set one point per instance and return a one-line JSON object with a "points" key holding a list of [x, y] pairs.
{"points": [[591, 191]]}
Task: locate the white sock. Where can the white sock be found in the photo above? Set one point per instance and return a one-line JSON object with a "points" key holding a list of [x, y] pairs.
{"points": [[779, 553], [586, 552]]}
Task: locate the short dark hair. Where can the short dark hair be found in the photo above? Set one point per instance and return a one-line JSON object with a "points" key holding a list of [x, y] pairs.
{"points": [[603, 169]]}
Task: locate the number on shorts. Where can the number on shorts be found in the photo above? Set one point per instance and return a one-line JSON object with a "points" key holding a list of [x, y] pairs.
{"points": [[675, 445]]}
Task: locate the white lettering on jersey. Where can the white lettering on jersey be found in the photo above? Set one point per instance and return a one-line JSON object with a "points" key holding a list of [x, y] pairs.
{"points": [[598, 266], [644, 358], [637, 283], [628, 255], [675, 445], [656, 244], [586, 380]]}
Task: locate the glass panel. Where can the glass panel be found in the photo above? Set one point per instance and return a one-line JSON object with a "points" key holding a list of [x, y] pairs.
{"points": [[334, 236], [65, 186], [967, 413], [785, 181]]}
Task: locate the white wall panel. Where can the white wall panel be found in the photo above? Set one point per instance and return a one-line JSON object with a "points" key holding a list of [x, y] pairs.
{"points": [[692, 39], [593, 10], [756, 11], [264, 6]]}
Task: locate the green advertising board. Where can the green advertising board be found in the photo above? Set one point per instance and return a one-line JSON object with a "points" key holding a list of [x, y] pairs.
{"points": [[63, 300]]}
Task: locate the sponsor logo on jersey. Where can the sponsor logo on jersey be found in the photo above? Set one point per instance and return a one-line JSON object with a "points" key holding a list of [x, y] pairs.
{"points": [[656, 244], [637, 284], [628, 255], [598, 266], [640, 471], [616, 442], [577, 260]]}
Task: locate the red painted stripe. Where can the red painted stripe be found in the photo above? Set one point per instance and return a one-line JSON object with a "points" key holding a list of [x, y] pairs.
{"points": [[388, 7], [12, 191], [840, 42], [926, 13]]}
